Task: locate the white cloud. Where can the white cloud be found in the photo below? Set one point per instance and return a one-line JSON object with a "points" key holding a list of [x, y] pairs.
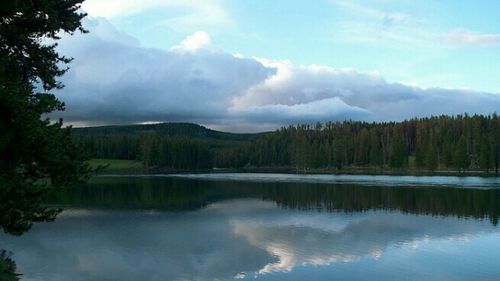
{"points": [[115, 80], [318, 110], [111, 81], [194, 42], [104, 29], [471, 38], [318, 93]]}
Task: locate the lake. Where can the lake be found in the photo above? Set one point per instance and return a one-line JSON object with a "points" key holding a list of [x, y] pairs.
{"points": [[267, 227]]}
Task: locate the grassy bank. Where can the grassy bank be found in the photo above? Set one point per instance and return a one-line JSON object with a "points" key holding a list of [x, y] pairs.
{"points": [[112, 166], [359, 171], [117, 165]]}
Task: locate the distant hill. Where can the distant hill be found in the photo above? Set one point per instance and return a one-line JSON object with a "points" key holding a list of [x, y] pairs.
{"points": [[190, 130]]}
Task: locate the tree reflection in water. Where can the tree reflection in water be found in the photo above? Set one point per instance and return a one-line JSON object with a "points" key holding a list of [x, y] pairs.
{"points": [[177, 194]]}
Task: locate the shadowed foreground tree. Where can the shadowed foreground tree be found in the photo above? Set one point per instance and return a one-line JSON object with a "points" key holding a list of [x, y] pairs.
{"points": [[37, 155]]}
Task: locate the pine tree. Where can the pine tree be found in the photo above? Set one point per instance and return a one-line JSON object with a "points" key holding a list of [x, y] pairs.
{"points": [[485, 156], [420, 156], [447, 154], [431, 157], [398, 155], [37, 155], [461, 159]]}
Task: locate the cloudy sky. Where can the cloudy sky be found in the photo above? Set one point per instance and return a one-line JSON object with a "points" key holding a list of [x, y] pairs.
{"points": [[257, 65]]}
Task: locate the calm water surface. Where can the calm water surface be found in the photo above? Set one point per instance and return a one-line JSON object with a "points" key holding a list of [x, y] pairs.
{"points": [[267, 227]]}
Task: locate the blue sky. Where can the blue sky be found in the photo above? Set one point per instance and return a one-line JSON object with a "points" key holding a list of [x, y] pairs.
{"points": [[402, 40], [412, 49]]}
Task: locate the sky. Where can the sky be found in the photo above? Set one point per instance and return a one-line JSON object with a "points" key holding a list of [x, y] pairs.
{"points": [[257, 65]]}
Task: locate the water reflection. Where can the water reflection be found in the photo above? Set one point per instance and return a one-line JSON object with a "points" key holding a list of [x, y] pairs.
{"points": [[181, 229], [100, 245], [179, 194], [315, 240], [373, 180]]}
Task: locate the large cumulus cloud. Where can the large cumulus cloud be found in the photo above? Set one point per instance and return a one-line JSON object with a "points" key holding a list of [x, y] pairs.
{"points": [[358, 95], [113, 79]]}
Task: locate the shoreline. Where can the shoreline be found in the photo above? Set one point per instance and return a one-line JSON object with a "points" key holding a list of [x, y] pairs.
{"points": [[284, 170]]}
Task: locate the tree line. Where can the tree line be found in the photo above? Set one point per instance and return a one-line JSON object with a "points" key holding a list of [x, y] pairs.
{"points": [[459, 142], [180, 153], [445, 142]]}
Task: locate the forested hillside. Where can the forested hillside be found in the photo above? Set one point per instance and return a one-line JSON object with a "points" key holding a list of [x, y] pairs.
{"points": [[165, 129], [447, 143], [170, 145]]}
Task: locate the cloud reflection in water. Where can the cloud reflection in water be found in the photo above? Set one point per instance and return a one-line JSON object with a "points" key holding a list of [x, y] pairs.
{"points": [[235, 239]]}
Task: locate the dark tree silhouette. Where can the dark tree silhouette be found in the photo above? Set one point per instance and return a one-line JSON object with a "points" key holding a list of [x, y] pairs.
{"points": [[36, 154]]}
